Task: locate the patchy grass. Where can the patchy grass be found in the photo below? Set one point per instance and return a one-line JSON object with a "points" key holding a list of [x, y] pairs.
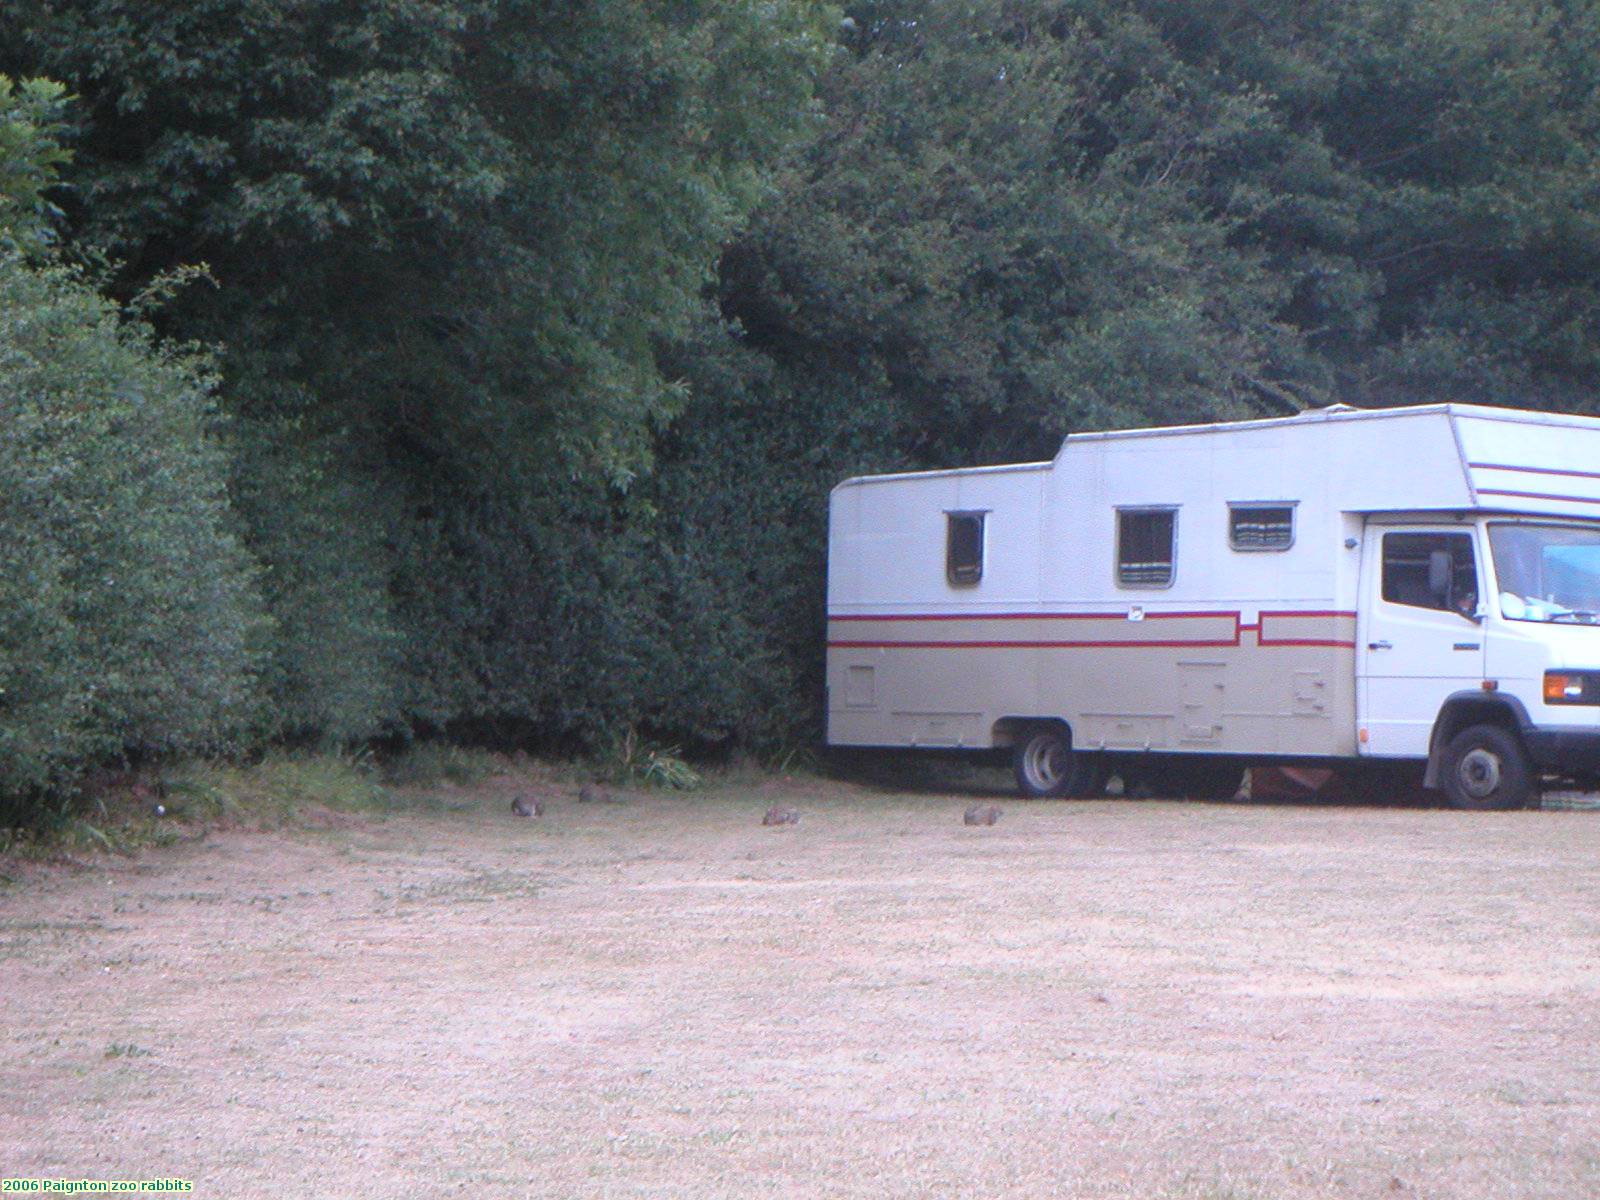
{"points": [[278, 788], [427, 764], [121, 814]]}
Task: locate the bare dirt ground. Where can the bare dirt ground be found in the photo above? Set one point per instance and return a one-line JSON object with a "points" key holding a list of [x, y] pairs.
{"points": [[662, 998]]}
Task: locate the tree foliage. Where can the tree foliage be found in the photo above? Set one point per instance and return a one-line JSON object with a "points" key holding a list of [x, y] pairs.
{"points": [[30, 155], [459, 226], [128, 620], [1027, 217]]}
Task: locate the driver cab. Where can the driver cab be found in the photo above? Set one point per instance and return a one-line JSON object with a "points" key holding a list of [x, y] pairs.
{"points": [[1420, 636], [1496, 604]]}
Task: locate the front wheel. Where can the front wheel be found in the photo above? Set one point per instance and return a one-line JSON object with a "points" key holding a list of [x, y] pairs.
{"points": [[1047, 765], [1485, 767]]}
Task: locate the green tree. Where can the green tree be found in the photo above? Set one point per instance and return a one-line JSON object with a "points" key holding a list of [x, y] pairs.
{"points": [[1010, 230], [1430, 206], [461, 226], [30, 156]]}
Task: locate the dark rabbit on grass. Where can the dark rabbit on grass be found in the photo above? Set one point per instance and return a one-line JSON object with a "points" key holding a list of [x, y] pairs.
{"points": [[780, 814]]}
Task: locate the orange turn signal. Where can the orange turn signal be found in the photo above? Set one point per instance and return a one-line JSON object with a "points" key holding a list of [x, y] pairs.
{"points": [[1562, 689]]}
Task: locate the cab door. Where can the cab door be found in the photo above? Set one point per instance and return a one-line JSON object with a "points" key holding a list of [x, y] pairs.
{"points": [[1419, 635]]}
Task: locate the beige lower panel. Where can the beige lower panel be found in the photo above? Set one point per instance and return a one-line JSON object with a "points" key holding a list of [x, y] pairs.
{"points": [[1247, 699]]}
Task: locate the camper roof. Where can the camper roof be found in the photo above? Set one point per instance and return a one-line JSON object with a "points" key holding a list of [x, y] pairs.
{"points": [[1346, 412], [1432, 456], [1426, 457]]}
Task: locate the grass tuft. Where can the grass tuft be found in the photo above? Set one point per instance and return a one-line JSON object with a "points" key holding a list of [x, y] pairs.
{"points": [[632, 759], [424, 764], [277, 788]]}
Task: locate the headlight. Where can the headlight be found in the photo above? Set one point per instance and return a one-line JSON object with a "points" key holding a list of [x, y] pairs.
{"points": [[1572, 687]]}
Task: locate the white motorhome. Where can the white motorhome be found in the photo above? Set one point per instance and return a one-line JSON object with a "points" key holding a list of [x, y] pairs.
{"points": [[1405, 586]]}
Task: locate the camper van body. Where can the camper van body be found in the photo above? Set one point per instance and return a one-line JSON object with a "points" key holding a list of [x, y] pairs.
{"points": [[1334, 587]]}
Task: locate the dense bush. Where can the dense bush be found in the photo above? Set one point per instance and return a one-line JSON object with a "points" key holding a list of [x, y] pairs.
{"points": [[128, 621]]}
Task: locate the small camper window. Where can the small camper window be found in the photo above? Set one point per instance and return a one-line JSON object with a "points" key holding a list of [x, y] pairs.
{"points": [[1261, 526], [963, 548], [1145, 546]]}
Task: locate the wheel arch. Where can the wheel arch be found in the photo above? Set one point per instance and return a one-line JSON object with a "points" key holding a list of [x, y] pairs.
{"points": [[1463, 709], [1008, 731]]}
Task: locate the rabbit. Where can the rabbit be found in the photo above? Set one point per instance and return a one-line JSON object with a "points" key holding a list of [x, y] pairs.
{"points": [[526, 806]]}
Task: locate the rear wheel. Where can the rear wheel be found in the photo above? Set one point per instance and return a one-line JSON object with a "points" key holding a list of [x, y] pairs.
{"points": [[1047, 765], [1485, 767]]}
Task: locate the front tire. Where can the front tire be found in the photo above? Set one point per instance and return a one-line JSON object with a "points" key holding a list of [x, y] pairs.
{"points": [[1485, 767], [1048, 766]]}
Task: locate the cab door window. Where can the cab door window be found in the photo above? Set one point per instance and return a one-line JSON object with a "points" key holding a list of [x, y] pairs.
{"points": [[1431, 570]]}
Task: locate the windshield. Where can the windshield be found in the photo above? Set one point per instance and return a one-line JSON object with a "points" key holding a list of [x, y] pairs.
{"points": [[1547, 572]]}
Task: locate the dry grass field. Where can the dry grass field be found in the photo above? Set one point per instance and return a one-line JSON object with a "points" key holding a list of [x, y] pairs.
{"points": [[662, 998]]}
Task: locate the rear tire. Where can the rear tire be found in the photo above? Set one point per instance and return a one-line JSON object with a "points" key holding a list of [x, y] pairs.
{"points": [[1048, 766], [1485, 767]]}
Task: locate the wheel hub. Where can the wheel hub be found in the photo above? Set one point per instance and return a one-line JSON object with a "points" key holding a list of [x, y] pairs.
{"points": [[1047, 762], [1479, 773]]}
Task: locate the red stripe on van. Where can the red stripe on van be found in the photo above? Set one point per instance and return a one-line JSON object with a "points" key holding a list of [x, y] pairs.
{"points": [[1111, 643], [1036, 644], [1264, 639], [1539, 496], [1476, 466], [1026, 645], [1120, 615]]}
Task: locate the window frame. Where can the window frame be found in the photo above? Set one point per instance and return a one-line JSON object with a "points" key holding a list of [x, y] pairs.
{"points": [[1240, 505], [1467, 534], [1137, 510], [951, 573]]}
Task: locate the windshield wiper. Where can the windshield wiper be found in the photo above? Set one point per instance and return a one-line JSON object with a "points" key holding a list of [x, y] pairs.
{"points": [[1584, 616]]}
